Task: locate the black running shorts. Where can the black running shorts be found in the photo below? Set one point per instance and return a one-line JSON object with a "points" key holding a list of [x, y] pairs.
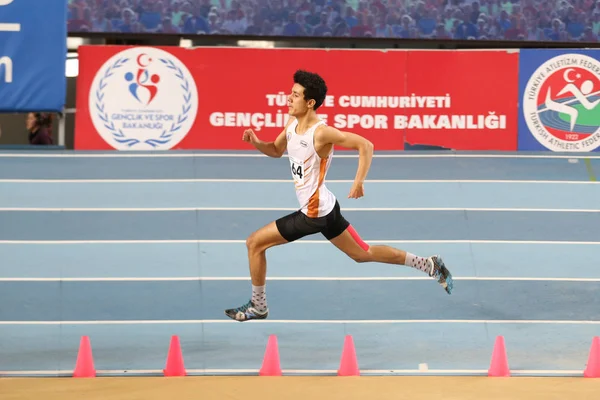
{"points": [[297, 225]]}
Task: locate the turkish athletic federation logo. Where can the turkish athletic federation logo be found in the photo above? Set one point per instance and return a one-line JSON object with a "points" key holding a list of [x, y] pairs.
{"points": [[143, 99], [561, 103]]}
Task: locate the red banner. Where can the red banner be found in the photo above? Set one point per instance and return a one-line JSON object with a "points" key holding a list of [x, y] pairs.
{"points": [[161, 98], [465, 100]]}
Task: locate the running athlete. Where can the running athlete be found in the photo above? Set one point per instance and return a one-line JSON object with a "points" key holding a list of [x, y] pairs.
{"points": [[309, 143]]}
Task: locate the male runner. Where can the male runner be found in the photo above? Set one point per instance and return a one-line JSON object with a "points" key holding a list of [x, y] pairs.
{"points": [[309, 143]]}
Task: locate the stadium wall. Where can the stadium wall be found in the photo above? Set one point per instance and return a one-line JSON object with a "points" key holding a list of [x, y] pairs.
{"points": [[171, 98]]}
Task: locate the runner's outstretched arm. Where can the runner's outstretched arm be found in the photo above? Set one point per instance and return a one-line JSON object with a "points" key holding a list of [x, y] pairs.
{"points": [[273, 149]]}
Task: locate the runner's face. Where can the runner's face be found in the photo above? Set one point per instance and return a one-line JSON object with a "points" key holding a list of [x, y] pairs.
{"points": [[296, 102]]}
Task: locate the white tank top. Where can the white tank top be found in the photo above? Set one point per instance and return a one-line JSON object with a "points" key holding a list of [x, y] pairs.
{"points": [[309, 172]]}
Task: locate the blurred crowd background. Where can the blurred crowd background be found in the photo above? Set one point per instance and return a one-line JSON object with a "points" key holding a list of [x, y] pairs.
{"points": [[523, 20]]}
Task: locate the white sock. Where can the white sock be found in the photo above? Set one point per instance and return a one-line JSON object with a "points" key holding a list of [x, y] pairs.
{"points": [[417, 262], [259, 298]]}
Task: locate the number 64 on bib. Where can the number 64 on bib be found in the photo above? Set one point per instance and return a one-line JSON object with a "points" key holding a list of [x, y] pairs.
{"points": [[297, 171]]}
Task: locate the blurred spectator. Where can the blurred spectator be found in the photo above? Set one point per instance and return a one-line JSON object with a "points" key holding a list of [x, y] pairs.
{"points": [[530, 20], [323, 29], [39, 126], [465, 29], [101, 23]]}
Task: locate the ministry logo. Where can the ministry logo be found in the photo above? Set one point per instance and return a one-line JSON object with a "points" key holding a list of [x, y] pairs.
{"points": [[143, 99]]}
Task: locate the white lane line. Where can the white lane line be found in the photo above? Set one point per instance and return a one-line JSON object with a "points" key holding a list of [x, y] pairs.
{"points": [[308, 322], [289, 181], [293, 278], [299, 242], [349, 209], [382, 372]]}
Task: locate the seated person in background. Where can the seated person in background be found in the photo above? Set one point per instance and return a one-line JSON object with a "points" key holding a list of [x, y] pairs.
{"points": [[39, 126]]}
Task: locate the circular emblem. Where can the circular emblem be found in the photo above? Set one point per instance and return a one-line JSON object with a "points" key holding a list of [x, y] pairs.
{"points": [[561, 103], [143, 99]]}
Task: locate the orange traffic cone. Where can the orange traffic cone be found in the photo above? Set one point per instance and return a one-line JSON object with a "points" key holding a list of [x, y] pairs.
{"points": [[84, 366], [499, 363], [271, 365], [174, 365], [348, 362]]}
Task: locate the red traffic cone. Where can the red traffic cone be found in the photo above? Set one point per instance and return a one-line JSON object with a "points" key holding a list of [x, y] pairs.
{"points": [[271, 365], [348, 362], [84, 366], [174, 365], [499, 364], [592, 369]]}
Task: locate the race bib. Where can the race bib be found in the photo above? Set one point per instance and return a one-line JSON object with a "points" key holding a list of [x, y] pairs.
{"points": [[297, 171]]}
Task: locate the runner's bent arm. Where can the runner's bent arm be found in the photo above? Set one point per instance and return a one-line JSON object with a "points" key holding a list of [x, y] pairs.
{"points": [[349, 140], [272, 149]]}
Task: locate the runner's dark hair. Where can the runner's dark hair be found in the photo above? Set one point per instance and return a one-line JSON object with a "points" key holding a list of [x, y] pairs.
{"points": [[314, 86]]}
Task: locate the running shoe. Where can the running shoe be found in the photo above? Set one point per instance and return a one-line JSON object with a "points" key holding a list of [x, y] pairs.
{"points": [[246, 313], [439, 271]]}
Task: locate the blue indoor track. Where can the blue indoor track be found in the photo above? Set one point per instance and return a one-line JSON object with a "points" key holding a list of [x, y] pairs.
{"points": [[130, 249]]}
